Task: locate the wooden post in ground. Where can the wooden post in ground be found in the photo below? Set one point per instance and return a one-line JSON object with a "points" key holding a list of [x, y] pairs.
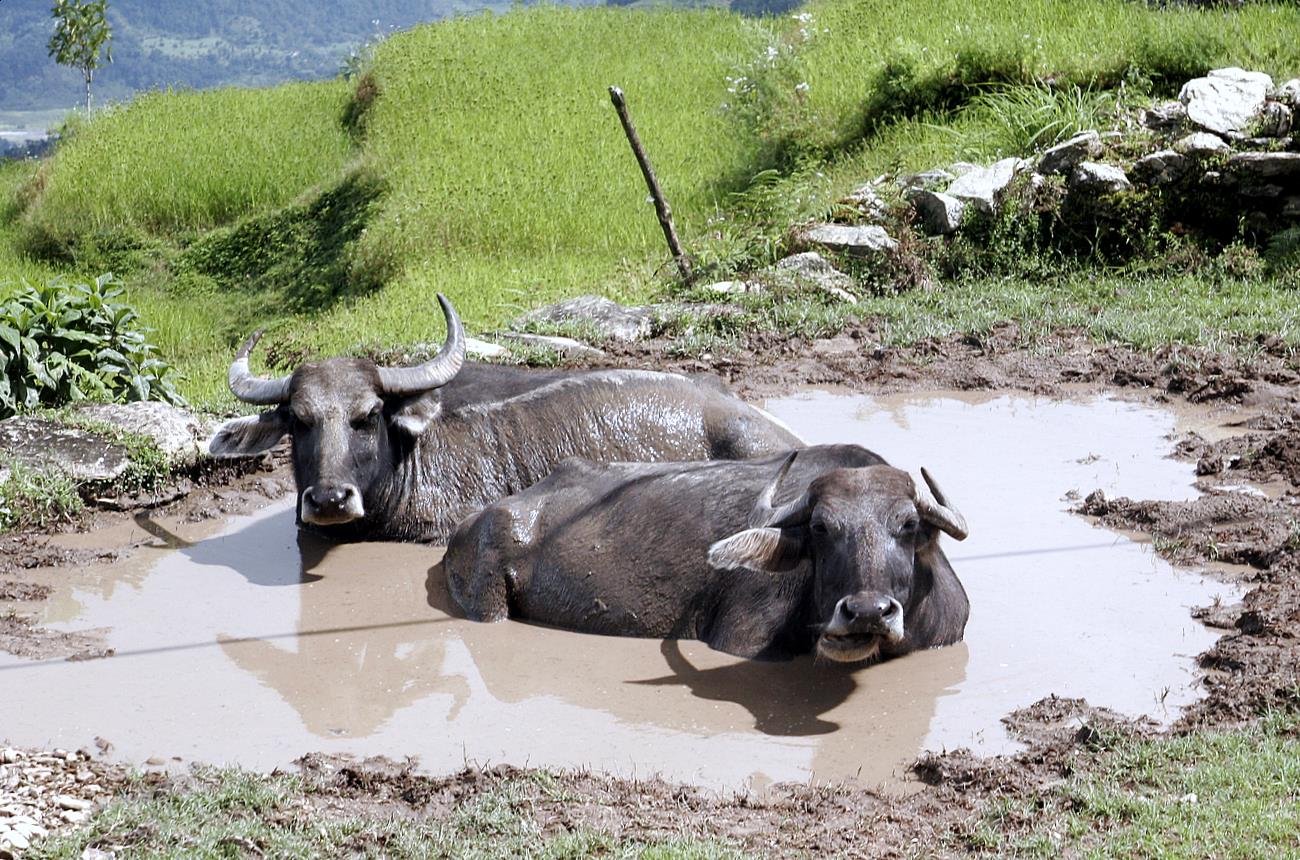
{"points": [[662, 208]]}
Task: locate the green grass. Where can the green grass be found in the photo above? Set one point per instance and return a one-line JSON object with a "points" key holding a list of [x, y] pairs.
{"points": [[36, 498], [187, 161], [234, 813], [1230, 794], [495, 170], [867, 61]]}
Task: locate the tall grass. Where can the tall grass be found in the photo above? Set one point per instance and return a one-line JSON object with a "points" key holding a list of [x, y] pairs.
{"points": [[862, 62], [188, 161], [498, 139]]}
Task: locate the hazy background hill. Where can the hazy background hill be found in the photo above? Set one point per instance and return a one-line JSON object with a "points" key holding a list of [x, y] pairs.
{"points": [[223, 42], [204, 44]]}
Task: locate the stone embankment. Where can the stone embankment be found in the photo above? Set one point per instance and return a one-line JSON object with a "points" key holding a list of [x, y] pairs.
{"points": [[41, 792], [1230, 140]]}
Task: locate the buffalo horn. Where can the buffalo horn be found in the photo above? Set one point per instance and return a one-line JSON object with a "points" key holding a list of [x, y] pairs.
{"points": [[250, 388], [935, 509], [791, 513], [438, 370]]}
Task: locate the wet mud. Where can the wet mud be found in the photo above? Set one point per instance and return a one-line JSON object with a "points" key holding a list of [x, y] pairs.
{"points": [[358, 649], [1243, 453]]}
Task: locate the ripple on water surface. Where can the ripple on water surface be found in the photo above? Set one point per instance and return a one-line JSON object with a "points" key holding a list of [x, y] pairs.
{"points": [[253, 645]]}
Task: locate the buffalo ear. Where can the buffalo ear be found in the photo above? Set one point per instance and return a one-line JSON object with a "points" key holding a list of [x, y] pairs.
{"points": [[415, 415], [252, 435], [767, 550]]}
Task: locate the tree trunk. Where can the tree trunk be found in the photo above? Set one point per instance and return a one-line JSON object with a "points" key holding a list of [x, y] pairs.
{"points": [[87, 74]]}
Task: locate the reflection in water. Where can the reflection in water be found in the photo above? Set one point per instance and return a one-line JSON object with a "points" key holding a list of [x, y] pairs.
{"points": [[341, 683], [260, 643]]}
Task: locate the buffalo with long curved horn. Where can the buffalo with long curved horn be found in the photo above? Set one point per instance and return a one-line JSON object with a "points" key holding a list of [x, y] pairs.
{"points": [[405, 452]]}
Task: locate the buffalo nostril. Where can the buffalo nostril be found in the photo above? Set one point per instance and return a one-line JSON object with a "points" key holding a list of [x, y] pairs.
{"points": [[330, 497], [884, 607]]}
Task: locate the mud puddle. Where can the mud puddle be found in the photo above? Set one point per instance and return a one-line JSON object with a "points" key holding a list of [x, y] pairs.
{"points": [[253, 645]]}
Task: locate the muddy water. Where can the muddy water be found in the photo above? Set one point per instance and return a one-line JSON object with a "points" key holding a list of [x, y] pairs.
{"points": [[252, 645]]}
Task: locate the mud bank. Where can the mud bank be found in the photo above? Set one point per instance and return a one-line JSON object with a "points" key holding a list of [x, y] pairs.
{"points": [[1255, 666]]}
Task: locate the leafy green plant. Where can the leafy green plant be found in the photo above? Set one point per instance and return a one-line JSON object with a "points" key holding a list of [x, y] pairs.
{"points": [[63, 342]]}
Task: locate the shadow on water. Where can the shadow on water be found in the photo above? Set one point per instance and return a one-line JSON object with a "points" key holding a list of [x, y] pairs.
{"points": [[244, 551], [787, 698]]}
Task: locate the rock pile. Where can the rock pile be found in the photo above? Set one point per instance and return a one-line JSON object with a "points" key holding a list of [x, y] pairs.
{"points": [[41, 792], [1231, 138]]}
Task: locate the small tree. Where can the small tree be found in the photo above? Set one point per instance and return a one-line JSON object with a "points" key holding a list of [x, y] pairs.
{"points": [[81, 34]]}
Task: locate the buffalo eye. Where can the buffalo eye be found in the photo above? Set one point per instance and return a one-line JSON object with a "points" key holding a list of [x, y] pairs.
{"points": [[820, 528], [368, 420], [909, 526]]}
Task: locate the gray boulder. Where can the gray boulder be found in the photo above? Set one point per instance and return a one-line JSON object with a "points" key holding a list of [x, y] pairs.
{"points": [[1095, 178], [1062, 158], [608, 319], [981, 188], [1199, 144], [1291, 209], [174, 432], [1161, 168], [1266, 167], [860, 240], [1289, 94], [1226, 100], [940, 213], [930, 179], [1275, 119], [45, 445], [961, 168], [811, 270], [1165, 117]]}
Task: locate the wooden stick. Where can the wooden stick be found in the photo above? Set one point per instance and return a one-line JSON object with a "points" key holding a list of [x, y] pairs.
{"points": [[662, 208]]}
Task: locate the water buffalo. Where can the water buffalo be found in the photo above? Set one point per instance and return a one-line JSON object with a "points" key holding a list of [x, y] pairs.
{"points": [[848, 565], [404, 453]]}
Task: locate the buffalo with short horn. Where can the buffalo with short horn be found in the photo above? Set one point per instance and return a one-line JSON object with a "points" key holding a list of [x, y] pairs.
{"points": [[828, 549], [404, 453]]}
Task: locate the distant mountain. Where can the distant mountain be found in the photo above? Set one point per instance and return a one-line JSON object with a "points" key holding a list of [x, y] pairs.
{"points": [[202, 43], [206, 43]]}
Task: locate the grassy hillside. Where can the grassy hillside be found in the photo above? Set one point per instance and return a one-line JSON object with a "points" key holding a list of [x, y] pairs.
{"points": [[480, 157]]}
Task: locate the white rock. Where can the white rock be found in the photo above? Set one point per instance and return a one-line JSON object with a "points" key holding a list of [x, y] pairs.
{"points": [[861, 240], [483, 349], [67, 801], [981, 188], [1099, 178], [1226, 100], [1200, 143], [14, 840], [559, 344]]}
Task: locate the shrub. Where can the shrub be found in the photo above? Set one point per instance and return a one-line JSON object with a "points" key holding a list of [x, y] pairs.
{"points": [[64, 342]]}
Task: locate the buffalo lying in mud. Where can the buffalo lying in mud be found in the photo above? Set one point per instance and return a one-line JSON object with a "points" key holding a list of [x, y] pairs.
{"points": [[848, 564], [404, 453]]}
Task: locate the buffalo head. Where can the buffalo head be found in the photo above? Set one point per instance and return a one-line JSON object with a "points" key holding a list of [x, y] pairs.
{"points": [[349, 418], [871, 537]]}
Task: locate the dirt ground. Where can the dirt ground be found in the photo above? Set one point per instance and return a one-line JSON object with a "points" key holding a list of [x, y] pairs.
{"points": [[1255, 666]]}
